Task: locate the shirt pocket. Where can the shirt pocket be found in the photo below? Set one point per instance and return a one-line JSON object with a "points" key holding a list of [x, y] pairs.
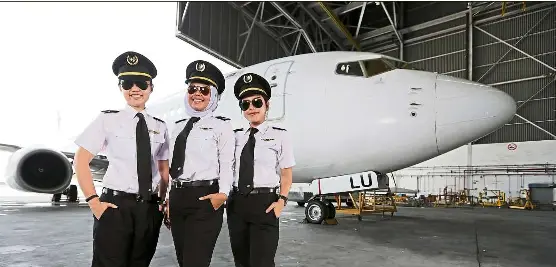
{"points": [[157, 140], [266, 152], [123, 145], [203, 140]]}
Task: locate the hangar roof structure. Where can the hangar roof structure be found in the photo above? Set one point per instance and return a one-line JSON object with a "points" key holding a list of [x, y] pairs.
{"points": [[509, 45]]}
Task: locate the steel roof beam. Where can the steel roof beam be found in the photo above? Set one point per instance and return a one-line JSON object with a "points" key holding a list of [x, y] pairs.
{"points": [[261, 25], [296, 24], [315, 18]]}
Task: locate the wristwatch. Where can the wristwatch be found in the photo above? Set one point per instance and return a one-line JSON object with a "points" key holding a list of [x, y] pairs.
{"points": [[284, 198]]}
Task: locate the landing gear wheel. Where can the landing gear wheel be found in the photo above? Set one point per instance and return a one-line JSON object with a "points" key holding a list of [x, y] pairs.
{"points": [[301, 204], [331, 210], [56, 197], [316, 211], [72, 193]]}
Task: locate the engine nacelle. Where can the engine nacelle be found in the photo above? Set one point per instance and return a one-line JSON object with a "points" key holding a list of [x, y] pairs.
{"points": [[39, 170]]}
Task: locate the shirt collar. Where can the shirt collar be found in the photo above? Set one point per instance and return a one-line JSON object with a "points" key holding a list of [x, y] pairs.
{"points": [[131, 112], [262, 128]]}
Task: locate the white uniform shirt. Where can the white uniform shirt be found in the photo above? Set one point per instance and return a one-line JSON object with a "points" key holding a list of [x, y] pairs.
{"points": [[209, 151], [273, 152], [115, 130]]}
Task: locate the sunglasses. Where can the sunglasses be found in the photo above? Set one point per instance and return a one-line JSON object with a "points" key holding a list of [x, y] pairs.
{"points": [[127, 84], [205, 90], [244, 104]]}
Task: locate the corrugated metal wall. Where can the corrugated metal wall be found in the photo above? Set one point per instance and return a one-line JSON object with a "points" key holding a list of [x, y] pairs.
{"points": [[540, 42], [447, 54], [222, 28]]}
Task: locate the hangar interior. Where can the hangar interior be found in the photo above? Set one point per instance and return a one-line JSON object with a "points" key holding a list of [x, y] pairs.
{"points": [[508, 45]]}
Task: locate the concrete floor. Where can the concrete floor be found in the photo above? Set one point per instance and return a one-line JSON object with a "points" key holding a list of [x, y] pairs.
{"points": [[35, 233]]}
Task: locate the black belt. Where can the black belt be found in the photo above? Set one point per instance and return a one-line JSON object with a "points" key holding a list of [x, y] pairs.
{"points": [[110, 192], [260, 190], [199, 183]]}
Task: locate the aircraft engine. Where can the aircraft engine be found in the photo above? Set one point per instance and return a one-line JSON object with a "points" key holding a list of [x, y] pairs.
{"points": [[39, 170]]}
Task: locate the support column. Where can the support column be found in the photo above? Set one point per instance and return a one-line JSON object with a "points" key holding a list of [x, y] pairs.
{"points": [[400, 25], [468, 183]]}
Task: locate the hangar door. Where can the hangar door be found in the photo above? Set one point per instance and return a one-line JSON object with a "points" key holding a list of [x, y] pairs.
{"points": [[277, 75]]}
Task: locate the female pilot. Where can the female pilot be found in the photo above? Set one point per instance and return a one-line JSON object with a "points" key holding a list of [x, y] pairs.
{"points": [[127, 216], [201, 168], [263, 162]]}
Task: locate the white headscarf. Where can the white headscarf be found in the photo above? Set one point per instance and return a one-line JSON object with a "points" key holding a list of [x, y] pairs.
{"points": [[213, 104]]}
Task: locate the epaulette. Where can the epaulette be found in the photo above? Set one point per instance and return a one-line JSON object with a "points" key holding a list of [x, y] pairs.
{"points": [[181, 120], [238, 130], [158, 119], [110, 111], [222, 118], [279, 129]]}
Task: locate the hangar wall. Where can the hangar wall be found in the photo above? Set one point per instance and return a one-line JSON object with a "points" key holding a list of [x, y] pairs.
{"points": [[430, 177], [528, 81]]}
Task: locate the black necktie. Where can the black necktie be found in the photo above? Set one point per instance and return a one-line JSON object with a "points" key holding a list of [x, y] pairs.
{"points": [[144, 170], [246, 163], [178, 156]]}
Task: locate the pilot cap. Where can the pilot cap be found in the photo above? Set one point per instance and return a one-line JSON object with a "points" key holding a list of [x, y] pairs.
{"points": [[134, 66], [204, 72], [251, 84]]}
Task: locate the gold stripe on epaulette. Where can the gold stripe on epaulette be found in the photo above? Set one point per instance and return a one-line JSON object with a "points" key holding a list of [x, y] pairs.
{"points": [[134, 73], [252, 88]]}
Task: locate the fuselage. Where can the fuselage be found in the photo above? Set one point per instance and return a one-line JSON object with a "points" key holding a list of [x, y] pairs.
{"points": [[350, 112]]}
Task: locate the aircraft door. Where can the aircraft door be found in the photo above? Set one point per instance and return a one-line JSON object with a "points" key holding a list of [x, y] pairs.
{"points": [[277, 75]]}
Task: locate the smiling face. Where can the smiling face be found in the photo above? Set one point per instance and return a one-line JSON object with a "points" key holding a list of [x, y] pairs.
{"points": [[254, 109], [198, 96], [136, 93]]}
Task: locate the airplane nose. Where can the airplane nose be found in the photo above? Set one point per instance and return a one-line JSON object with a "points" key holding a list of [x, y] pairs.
{"points": [[467, 111]]}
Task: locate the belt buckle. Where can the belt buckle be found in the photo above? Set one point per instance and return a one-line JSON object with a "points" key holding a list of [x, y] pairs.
{"points": [[177, 184], [138, 198]]}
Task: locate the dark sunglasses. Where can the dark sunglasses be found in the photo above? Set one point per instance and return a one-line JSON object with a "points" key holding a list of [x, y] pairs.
{"points": [[244, 104], [127, 84], [205, 90]]}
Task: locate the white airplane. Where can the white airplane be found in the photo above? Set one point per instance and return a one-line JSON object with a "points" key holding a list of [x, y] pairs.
{"points": [[347, 112]]}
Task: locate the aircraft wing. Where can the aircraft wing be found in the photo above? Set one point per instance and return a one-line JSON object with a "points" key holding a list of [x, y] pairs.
{"points": [[9, 148]]}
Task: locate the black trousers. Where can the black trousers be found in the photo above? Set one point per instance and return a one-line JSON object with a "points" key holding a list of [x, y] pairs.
{"points": [[128, 235], [253, 232], [195, 225]]}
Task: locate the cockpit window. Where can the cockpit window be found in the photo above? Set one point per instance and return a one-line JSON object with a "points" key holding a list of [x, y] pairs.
{"points": [[369, 68], [349, 68]]}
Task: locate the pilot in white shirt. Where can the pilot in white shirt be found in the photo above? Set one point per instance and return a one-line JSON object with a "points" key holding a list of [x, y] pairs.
{"points": [[127, 216], [263, 163], [202, 149]]}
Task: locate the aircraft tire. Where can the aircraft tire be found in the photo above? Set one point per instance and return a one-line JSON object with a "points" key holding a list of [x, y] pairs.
{"points": [[56, 197], [72, 193], [316, 211], [331, 210]]}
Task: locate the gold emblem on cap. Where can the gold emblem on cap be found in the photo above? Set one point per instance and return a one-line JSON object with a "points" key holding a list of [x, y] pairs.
{"points": [[200, 66], [247, 78], [132, 60]]}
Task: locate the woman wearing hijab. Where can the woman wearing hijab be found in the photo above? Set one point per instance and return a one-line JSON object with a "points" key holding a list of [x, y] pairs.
{"points": [[201, 168]]}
